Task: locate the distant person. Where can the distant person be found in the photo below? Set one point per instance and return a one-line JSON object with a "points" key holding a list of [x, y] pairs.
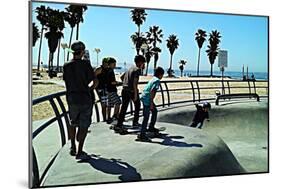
{"points": [[253, 77], [148, 95], [113, 98], [78, 77], [130, 92], [201, 114], [101, 74]]}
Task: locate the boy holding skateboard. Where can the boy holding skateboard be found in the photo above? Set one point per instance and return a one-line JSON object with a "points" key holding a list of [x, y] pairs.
{"points": [[147, 97]]}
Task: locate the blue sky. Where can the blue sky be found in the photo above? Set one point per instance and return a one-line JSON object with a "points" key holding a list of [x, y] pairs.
{"points": [[109, 28]]}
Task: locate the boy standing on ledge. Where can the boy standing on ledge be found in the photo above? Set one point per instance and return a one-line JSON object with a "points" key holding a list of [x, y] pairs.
{"points": [[130, 92], [147, 98]]}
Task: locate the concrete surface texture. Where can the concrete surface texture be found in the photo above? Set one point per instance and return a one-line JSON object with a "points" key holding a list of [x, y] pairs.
{"points": [[181, 152], [234, 141]]}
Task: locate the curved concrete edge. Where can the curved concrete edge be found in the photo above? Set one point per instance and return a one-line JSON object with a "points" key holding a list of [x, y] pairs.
{"points": [[183, 152]]}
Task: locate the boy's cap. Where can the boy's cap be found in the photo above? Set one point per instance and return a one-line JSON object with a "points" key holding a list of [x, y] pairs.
{"points": [[206, 105], [77, 46]]}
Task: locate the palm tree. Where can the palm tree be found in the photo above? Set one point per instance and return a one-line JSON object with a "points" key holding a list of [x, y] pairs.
{"points": [[138, 16], [35, 34], [138, 40], [182, 64], [55, 25], [74, 16], [80, 9], [154, 36], [213, 48], [172, 45], [200, 37], [42, 18]]}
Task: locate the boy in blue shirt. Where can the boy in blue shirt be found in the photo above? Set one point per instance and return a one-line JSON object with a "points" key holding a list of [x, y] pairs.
{"points": [[147, 97]]}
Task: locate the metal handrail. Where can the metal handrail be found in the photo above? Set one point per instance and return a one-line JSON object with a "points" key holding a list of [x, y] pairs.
{"points": [[37, 179]]}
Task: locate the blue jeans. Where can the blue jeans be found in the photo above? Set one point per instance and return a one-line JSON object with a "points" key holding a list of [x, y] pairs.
{"points": [[146, 113]]}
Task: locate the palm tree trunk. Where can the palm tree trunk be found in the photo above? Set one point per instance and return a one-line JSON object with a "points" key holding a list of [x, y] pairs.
{"points": [[171, 60], [49, 64], [198, 61], [146, 71], [69, 43], [181, 72], [211, 70], [58, 57], [40, 46], [138, 50], [77, 31], [155, 59]]}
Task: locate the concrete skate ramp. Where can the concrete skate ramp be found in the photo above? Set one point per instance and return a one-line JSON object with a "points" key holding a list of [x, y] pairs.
{"points": [[243, 126], [181, 152]]}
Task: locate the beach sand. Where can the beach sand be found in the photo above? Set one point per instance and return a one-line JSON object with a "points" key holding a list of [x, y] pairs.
{"points": [[45, 86]]}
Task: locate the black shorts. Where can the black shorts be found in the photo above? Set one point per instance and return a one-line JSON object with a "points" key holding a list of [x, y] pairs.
{"points": [[80, 115]]}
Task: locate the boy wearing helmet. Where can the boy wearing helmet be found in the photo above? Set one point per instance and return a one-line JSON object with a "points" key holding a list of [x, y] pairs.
{"points": [[201, 114]]}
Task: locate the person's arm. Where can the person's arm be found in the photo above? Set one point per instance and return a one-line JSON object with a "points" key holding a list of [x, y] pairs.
{"points": [[135, 88], [153, 91], [90, 75], [122, 76], [152, 96]]}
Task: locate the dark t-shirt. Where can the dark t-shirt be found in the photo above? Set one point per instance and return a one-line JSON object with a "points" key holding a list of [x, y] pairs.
{"points": [[111, 78], [200, 114], [77, 74], [133, 72], [102, 77]]}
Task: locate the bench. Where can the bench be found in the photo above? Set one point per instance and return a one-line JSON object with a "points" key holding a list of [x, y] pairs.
{"points": [[238, 95]]}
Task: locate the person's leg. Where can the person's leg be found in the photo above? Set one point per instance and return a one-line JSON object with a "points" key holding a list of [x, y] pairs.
{"points": [[137, 111], [72, 134], [74, 120], [108, 112], [116, 110], [125, 103], [116, 103], [146, 113], [200, 125], [81, 137], [153, 117], [103, 110], [85, 120]]}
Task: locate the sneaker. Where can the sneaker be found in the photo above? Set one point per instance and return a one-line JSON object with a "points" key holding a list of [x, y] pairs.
{"points": [[82, 156], [143, 138], [136, 124], [72, 151], [109, 121], [123, 131]]}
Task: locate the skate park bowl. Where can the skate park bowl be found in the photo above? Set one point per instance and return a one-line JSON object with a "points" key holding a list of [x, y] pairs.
{"points": [[235, 141]]}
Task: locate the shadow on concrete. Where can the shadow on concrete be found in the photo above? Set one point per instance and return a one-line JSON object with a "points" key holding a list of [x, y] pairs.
{"points": [[168, 141], [113, 166]]}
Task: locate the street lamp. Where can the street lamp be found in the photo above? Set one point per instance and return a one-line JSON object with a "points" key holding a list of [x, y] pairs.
{"points": [[97, 50], [64, 46]]}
